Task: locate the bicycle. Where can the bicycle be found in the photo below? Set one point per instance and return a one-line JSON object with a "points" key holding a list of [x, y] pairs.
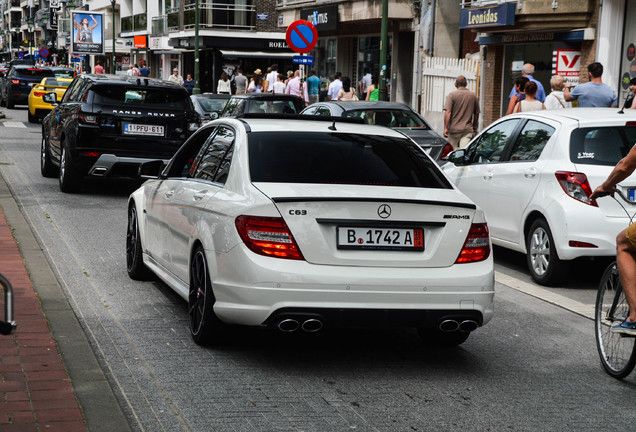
{"points": [[617, 350]]}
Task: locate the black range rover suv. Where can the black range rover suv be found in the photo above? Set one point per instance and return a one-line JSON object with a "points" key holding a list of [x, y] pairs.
{"points": [[107, 125]]}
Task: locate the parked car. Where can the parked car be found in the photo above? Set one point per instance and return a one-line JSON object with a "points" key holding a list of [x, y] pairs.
{"points": [[255, 103], [300, 223], [16, 85], [209, 105], [392, 114], [533, 173], [106, 125], [37, 107]]}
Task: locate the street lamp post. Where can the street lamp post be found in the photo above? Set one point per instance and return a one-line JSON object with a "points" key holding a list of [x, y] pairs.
{"points": [[196, 89], [112, 63]]}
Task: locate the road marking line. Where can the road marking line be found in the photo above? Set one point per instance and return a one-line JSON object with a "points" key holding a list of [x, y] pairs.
{"points": [[579, 308], [14, 124]]}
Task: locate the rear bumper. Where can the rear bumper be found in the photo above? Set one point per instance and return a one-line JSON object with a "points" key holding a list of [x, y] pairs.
{"points": [[117, 166], [256, 290]]}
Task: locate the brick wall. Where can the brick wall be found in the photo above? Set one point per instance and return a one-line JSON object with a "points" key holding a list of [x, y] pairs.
{"points": [[493, 74], [271, 24]]}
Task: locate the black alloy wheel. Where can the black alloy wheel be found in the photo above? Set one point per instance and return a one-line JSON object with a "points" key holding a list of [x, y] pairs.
{"points": [[46, 165], [68, 176], [205, 326], [135, 266]]}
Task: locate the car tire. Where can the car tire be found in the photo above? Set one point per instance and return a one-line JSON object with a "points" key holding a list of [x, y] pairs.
{"points": [[436, 337], [205, 327], [2, 101], [10, 103], [543, 261], [32, 118], [135, 266], [68, 176], [46, 165]]}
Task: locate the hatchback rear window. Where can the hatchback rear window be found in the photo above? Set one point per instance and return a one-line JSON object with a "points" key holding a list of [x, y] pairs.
{"points": [[602, 145], [394, 118], [148, 98], [340, 158], [33, 73]]}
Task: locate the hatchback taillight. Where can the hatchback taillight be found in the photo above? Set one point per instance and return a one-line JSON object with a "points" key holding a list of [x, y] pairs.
{"points": [[268, 236], [576, 186], [15, 81], [477, 244], [446, 150]]}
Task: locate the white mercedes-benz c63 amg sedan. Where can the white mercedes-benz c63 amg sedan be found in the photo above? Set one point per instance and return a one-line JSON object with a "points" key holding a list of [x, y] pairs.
{"points": [[303, 223]]}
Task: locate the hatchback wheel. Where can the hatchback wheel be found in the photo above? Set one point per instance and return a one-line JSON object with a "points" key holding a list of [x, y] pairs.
{"points": [[46, 166], [543, 262], [135, 266], [69, 178], [205, 326]]}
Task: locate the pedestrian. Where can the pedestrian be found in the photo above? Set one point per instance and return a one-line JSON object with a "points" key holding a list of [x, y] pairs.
{"points": [[347, 92], [556, 100], [144, 71], [223, 86], [629, 100], [593, 93], [461, 114], [272, 77], [290, 75], [99, 69], [364, 83], [279, 86], [373, 92], [241, 82], [256, 83], [313, 87], [188, 83], [530, 103], [175, 77], [131, 71], [520, 93], [294, 85], [335, 86], [528, 71]]}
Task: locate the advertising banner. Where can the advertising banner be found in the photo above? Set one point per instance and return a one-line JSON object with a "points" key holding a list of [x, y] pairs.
{"points": [[88, 32], [568, 64]]}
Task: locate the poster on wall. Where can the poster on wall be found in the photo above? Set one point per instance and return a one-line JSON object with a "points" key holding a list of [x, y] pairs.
{"points": [[88, 32], [568, 65]]}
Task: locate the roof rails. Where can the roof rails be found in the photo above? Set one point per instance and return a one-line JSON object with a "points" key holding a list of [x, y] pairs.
{"points": [[330, 119]]}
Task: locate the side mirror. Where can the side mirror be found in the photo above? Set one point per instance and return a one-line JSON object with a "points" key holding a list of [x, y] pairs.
{"points": [[150, 170], [458, 157], [50, 98]]}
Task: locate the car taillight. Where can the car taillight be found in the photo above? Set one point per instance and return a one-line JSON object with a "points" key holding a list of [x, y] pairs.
{"points": [[38, 94], [268, 236], [87, 118], [446, 150], [477, 244], [15, 81], [575, 185]]}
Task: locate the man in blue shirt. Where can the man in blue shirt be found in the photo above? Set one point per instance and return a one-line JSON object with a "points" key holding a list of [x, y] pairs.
{"points": [[527, 71], [313, 87], [593, 93]]}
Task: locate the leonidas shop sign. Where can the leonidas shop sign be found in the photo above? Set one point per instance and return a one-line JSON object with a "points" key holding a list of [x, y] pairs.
{"points": [[490, 16]]}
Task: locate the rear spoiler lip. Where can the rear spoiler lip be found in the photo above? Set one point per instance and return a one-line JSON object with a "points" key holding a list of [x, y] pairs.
{"points": [[376, 200]]}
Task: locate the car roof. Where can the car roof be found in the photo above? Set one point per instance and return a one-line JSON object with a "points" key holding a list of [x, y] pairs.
{"points": [[583, 115], [129, 80]]}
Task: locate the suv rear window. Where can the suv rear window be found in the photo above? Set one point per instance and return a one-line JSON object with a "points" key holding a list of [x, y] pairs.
{"points": [[33, 73], [137, 96], [602, 145], [340, 158]]}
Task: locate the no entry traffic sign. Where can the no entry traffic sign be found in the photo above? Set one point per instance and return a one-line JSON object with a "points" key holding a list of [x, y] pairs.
{"points": [[301, 36]]}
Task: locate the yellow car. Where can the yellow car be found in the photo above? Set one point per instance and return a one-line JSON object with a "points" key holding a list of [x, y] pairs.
{"points": [[37, 107]]}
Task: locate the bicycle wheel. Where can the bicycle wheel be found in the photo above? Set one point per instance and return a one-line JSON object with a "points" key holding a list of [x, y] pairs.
{"points": [[617, 351]]}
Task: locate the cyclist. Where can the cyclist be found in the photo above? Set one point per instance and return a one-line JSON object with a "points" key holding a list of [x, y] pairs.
{"points": [[625, 242]]}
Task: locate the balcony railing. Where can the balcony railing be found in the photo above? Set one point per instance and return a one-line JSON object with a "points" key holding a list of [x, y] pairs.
{"points": [[240, 15], [159, 25]]}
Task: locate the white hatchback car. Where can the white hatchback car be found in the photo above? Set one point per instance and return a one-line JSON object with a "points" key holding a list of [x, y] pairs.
{"points": [[532, 174], [301, 223]]}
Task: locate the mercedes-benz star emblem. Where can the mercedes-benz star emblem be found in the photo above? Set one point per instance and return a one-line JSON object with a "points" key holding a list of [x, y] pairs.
{"points": [[384, 211]]}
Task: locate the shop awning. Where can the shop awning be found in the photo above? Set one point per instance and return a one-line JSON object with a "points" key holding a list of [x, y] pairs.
{"points": [[258, 54]]}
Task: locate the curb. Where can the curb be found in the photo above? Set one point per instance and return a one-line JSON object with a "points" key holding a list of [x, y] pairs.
{"points": [[92, 390]]}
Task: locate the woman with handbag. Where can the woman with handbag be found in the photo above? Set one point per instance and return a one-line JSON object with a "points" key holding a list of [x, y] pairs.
{"points": [[347, 92]]}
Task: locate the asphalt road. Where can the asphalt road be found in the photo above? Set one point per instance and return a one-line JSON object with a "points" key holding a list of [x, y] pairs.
{"points": [[533, 367]]}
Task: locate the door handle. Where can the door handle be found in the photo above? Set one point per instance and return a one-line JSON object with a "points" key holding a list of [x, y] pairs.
{"points": [[530, 173], [169, 194], [200, 195]]}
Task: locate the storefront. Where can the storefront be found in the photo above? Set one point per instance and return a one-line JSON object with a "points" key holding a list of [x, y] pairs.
{"points": [[628, 51]]}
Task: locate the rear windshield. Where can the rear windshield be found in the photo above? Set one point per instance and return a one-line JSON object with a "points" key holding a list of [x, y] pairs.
{"points": [[388, 117], [33, 73], [212, 105], [273, 106], [148, 98], [340, 158], [602, 145]]}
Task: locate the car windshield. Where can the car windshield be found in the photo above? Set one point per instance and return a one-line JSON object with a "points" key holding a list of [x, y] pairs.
{"points": [[50, 82], [273, 106], [211, 105], [33, 73], [394, 118], [340, 158], [601, 145], [148, 98]]}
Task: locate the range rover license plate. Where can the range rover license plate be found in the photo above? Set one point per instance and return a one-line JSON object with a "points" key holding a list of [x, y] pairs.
{"points": [[141, 129], [411, 239]]}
